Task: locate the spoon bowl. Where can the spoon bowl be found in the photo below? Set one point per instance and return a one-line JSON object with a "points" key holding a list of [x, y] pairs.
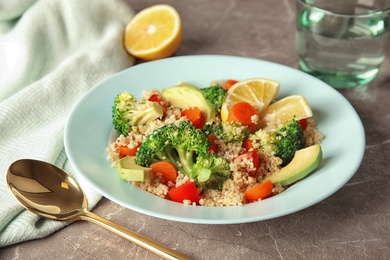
{"points": [[46, 190]]}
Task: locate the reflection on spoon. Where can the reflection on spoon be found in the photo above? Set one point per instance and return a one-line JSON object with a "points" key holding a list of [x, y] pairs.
{"points": [[48, 191]]}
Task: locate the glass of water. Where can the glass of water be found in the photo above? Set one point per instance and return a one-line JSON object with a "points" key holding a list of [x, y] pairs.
{"points": [[342, 42]]}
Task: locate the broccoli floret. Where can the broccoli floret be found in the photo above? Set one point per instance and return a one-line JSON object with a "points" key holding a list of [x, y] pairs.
{"points": [[228, 131], [215, 95], [283, 141], [128, 111], [210, 171], [179, 143]]}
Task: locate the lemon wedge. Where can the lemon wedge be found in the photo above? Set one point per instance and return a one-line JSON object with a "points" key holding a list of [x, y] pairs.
{"points": [[258, 92], [285, 109]]}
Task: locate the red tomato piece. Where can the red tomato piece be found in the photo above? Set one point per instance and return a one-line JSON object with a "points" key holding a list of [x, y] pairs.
{"points": [[247, 144], [303, 123], [155, 98], [254, 157], [213, 146], [187, 191]]}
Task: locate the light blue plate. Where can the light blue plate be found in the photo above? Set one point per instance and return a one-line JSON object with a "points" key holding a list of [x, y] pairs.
{"points": [[89, 127]]}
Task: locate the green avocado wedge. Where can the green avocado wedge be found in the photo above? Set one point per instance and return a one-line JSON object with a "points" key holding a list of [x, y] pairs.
{"points": [[130, 171], [186, 96], [304, 162]]}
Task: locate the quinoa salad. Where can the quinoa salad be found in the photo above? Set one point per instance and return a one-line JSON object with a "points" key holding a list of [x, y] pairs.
{"points": [[242, 157]]}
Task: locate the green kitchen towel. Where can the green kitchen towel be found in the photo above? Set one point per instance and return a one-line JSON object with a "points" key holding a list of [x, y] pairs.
{"points": [[51, 53]]}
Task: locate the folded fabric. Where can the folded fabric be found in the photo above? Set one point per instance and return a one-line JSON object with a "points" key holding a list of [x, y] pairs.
{"points": [[51, 53]]}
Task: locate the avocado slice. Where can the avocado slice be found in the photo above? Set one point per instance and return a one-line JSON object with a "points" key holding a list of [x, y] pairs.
{"points": [[187, 96], [304, 162], [130, 171]]}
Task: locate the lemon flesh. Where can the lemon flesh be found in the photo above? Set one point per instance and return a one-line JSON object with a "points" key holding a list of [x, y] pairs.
{"points": [[259, 92], [154, 33], [285, 109]]}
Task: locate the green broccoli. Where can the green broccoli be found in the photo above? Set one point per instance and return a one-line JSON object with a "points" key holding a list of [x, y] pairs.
{"points": [[228, 131], [283, 141], [179, 143], [128, 111], [210, 171], [215, 95]]}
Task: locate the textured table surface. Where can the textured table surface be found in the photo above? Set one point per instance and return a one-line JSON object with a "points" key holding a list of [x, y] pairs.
{"points": [[353, 223]]}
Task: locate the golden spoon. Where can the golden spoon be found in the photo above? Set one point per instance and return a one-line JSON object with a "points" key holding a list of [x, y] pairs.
{"points": [[49, 192]]}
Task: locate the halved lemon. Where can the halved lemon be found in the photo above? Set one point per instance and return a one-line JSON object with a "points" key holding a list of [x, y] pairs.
{"points": [[258, 92], [154, 33], [285, 109]]}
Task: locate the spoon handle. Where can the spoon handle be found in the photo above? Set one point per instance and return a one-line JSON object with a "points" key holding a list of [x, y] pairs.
{"points": [[134, 237]]}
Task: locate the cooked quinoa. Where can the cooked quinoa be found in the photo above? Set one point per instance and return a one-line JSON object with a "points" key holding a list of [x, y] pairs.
{"points": [[232, 193]]}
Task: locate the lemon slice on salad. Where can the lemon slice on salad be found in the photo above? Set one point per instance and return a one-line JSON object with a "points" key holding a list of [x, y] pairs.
{"points": [[285, 109], [258, 92]]}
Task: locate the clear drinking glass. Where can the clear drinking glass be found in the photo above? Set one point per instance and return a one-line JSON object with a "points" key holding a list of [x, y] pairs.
{"points": [[342, 42]]}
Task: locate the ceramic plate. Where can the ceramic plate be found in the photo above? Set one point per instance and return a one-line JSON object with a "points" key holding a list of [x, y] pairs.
{"points": [[89, 127]]}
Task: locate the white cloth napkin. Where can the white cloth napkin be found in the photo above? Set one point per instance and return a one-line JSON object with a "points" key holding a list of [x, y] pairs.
{"points": [[51, 53]]}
